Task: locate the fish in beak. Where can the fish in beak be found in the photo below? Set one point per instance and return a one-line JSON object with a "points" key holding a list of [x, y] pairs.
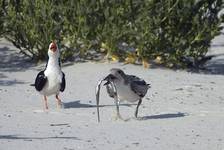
{"points": [[108, 80]]}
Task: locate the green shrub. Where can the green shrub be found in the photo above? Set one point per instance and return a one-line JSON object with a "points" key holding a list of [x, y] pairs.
{"points": [[2, 15], [31, 25], [174, 29], [169, 29]]}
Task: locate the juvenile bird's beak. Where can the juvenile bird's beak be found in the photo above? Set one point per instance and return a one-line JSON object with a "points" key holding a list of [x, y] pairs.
{"points": [[109, 78], [53, 46]]}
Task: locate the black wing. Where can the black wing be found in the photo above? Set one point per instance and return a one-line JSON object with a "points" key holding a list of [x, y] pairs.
{"points": [[63, 83], [139, 86], [40, 81]]}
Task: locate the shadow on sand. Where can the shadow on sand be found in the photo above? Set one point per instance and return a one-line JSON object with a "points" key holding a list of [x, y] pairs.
{"points": [[164, 116], [215, 66], [6, 82], [10, 82], [77, 104], [16, 137], [12, 61]]}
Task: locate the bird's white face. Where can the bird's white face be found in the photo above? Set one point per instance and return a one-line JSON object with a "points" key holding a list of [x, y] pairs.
{"points": [[53, 50]]}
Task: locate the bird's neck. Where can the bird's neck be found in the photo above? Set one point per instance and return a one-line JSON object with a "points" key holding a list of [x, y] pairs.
{"points": [[53, 62], [119, 81]]}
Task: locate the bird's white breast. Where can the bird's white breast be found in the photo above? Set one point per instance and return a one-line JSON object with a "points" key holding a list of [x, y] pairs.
{"points": [[125, 93], [54, 79]]}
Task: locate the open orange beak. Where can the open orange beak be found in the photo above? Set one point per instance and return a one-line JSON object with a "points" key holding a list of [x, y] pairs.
{"points": [[53, 47]]}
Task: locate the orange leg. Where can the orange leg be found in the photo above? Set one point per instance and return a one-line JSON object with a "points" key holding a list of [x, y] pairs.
{"points": [[45, 103], [58, 102]]}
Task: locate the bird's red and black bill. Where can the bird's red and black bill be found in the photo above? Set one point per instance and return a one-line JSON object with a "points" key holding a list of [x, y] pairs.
{"points": [[53, 47]]}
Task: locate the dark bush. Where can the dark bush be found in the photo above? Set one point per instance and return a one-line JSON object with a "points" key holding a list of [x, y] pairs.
{"points": [[171, 30]]}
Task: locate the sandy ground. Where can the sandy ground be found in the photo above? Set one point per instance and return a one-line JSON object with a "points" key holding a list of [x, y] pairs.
{"points": [[182, 110]]}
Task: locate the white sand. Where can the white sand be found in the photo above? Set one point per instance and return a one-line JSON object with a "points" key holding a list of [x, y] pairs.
{"points": [[182, 110]]}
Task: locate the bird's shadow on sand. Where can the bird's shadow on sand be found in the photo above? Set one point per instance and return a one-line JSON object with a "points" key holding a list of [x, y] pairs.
{"points": [[164, 116], [77, 104], [18, 137]]}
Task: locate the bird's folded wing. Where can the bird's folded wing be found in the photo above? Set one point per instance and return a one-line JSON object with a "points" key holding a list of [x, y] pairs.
{"points": [[63, 83], [139, 86], [40, 81]]}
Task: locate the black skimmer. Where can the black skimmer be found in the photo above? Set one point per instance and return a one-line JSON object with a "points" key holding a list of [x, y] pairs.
{"points": [[51, 80], [123, 87]]}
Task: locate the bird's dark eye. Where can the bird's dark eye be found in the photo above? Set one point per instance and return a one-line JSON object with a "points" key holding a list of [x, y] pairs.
{"points": [[119, 72]]}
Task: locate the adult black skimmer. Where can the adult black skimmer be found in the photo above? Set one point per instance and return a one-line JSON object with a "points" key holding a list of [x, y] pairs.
{"points": [[51, 80], [121, 87]]}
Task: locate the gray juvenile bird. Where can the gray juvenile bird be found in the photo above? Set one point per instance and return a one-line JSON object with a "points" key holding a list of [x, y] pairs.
{"points": [[121, 87]]}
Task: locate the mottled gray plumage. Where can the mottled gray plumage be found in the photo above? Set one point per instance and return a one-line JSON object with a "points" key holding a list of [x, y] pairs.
{"points": [[123, 87], [139, 86]]}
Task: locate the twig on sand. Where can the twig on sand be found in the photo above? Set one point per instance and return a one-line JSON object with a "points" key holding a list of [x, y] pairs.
{"points": [[59, 124]]}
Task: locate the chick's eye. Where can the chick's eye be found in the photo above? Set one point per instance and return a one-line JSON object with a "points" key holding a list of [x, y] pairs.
{"points": [[119, 72]]}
